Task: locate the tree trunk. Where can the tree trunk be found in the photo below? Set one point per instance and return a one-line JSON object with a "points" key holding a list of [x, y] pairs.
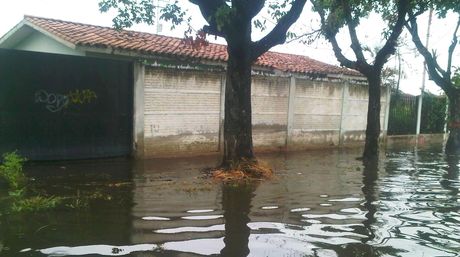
{"points": [[371, 147], [453, 142], [238, 114]]}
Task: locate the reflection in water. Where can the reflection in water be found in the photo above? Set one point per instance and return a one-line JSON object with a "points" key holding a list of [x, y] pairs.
{"points": [[450, 178], [321, 204], [236, 204], [370, 176]]}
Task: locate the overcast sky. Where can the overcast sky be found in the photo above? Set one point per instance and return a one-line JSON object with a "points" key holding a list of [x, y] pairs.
{"points": [[86, 11]]}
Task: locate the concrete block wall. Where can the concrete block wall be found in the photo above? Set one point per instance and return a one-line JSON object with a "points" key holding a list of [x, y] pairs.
{"points": [[270, 96], [317, 114], [355, 113], [183, 112]]}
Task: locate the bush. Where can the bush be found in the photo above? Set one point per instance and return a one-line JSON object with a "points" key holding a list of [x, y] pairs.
{"points": [[11, 170], [20, 195]]}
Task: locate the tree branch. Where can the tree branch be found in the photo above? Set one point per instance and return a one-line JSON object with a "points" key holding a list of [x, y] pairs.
{"points": [[355, 44], [434, 70], [278, 34], [330, 34], [452, 48], [316, 34], [209, 9], [250, 8], [390, 45]]}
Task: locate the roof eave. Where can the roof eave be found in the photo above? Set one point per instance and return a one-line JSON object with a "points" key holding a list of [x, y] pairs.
{"points": [[5, 40], [49, 34], [25, 28]]}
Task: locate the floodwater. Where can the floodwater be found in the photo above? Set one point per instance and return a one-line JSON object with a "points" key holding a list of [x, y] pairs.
{"points": [[321, 203]]}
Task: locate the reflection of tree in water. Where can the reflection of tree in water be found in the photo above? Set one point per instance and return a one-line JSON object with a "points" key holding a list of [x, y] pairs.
{"points": [[371, 195], [369, 188], [236, 203], [450, 178]]}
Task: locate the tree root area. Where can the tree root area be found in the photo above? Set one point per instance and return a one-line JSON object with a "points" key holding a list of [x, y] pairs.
{"points": [[245, 170]]}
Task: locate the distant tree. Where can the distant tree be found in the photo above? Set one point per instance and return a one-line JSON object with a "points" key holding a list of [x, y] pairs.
{"points": [[233, 21], [337, 14], [447, 78]]}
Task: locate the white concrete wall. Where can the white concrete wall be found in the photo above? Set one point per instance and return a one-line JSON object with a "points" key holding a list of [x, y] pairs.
{"points": [[183, 112], [39, 42], [317, 114], [270, 96]]}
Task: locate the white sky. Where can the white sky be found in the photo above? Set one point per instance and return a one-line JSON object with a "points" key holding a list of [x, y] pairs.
{"points": [[86, 11]]}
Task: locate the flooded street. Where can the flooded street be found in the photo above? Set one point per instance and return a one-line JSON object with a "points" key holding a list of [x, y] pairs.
{"points": [[321, 203]]}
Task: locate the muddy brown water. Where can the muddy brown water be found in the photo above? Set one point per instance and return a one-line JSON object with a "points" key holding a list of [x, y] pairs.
{"points": [[321, 203]]}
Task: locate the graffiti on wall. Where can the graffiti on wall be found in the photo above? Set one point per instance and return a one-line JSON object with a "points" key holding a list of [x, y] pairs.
{"points": [[55, 102]]}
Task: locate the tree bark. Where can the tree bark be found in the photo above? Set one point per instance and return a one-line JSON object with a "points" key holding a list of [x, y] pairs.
{"points": [[453, 142], [238, 145], [371, 146]]}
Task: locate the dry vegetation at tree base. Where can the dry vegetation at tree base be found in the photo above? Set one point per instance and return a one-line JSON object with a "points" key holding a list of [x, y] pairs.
{"points": [[245, 170]]}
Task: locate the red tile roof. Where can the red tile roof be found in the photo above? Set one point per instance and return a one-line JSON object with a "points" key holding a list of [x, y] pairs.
{"points": [[151, 44]]}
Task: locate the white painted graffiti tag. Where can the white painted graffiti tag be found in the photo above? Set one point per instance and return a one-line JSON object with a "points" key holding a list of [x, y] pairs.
{"points": [[53, 102]]}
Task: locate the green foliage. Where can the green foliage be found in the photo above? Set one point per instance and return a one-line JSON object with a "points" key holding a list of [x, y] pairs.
{"points": [[223, 16], [456, 77], [403, 114], [35, 203], [433, 114], [11, 170], [341, 13], [277, 9], [19, 198], [174, 14], [130, 12]]}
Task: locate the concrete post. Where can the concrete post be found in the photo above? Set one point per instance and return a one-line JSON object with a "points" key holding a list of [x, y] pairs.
{"points": [[220, 147], [291, 110], [342, 112], [387, 111], [138, 110]]}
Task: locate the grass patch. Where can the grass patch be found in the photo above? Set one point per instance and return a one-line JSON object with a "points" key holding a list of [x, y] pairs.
{"points": [[35, 203]]}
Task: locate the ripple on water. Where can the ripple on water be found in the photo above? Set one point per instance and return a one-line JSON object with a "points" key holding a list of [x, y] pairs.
{"points": [[200, 211], [203, 217], [155, 218], [410, 208]]}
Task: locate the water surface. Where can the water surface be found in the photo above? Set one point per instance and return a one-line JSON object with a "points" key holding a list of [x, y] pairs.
{"points": [[321, 203]]}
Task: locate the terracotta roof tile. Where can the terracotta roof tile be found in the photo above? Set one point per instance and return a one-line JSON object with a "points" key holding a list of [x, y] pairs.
{"points": [[151, 44]]}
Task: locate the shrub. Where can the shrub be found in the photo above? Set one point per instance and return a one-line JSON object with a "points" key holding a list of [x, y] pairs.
{"points": [[20, 195], [11, 170]]}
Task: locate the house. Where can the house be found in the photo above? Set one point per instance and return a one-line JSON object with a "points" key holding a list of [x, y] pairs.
{"points": [[173, 93]]}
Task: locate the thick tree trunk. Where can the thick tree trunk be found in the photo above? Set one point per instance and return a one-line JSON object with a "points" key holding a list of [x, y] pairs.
{"points": [[371, 147], [238, 114], [453, 142]]}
